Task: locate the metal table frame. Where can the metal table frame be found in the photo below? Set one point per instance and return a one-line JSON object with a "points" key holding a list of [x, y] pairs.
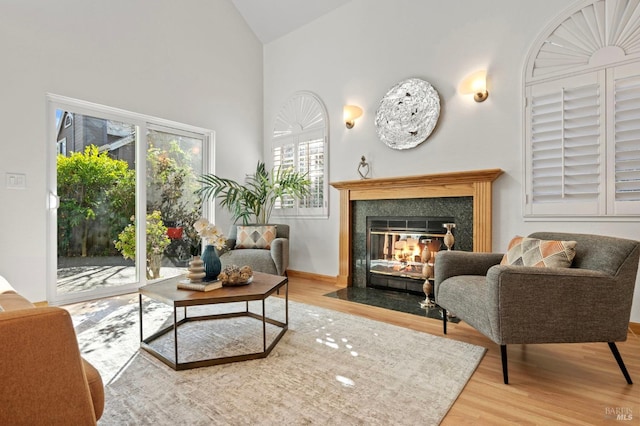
{"points": [[145, 343]]}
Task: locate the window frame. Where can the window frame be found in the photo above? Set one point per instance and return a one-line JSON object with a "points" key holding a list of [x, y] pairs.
{"points": [[573, 47], [302, 119], [142, 123]]}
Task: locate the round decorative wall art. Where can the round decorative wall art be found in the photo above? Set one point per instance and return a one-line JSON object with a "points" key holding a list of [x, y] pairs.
{"points": [[407, 114]]}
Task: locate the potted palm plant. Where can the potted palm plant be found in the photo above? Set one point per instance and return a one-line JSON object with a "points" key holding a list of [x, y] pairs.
{"points": [[258, 196]]}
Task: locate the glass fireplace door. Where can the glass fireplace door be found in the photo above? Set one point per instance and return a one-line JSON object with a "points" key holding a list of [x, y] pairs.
{"points": [[401, 251]]}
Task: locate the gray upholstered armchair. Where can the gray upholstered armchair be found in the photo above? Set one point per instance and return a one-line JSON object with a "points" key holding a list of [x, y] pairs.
{"points": [[274, 260], [588, 302]]}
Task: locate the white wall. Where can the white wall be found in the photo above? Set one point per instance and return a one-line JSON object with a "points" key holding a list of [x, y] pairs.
{"points": [[356, 53], [196, 62], [193, 61]]}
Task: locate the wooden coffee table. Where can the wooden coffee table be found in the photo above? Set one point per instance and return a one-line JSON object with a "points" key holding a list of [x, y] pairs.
{"points": [[263, 286]]}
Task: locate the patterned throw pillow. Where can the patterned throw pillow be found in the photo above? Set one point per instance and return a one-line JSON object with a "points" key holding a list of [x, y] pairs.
{"points": [[255, 237], [525, 251]]}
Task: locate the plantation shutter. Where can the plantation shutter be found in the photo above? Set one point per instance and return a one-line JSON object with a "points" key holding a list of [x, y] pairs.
{"points": [[284, 156], [624, 152], [300, 142], [311, 161], [565, 147], [586, 66], [305, 152]]}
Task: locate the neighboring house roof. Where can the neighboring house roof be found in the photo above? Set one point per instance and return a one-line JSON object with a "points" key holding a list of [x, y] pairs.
{"points": [[118, 134]]}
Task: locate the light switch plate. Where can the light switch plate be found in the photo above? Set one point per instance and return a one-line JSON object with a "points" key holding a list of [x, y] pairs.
{"points": [[16, 181]]}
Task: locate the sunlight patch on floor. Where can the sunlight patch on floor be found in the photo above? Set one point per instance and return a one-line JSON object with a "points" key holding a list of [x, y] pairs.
{"points": [[345, 381]]}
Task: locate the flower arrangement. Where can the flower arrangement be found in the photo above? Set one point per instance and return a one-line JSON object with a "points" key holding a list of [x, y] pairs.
{"points": [[210, 233]]}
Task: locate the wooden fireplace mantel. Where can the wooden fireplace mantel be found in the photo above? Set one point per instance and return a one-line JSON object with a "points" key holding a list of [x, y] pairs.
{"points": [[474, 183]]}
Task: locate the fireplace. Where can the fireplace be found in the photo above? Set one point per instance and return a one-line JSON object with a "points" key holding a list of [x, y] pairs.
{"points": [[474, 184], [400, 251]]}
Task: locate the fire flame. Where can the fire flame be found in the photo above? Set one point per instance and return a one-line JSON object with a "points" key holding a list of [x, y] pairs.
{"points": [[408, 250]]}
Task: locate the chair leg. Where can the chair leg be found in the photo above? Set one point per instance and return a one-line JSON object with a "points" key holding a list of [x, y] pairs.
{"points": [[505, 373], [616, 355], [444, 320]]}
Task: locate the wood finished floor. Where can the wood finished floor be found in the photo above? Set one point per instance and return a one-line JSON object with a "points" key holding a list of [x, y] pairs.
{"points": [[553, 384]]}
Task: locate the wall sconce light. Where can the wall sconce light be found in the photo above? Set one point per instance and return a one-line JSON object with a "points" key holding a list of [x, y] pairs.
{"points": [[350, 114], [476, 84]]}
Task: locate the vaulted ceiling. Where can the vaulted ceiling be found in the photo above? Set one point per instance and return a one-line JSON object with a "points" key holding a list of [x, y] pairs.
{"points": [[271, 19]]}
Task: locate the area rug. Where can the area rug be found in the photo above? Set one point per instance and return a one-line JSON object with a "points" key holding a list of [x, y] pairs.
{"points": [[329, 368]]}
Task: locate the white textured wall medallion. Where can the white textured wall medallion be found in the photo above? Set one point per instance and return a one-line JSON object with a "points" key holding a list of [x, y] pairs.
{"points": [[407, 114]]}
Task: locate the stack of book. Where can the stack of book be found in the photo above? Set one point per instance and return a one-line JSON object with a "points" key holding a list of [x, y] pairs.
{"points": [[201, 286]]}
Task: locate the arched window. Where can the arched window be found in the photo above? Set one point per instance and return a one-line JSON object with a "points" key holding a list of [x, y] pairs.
{"points": [[300, 140], [582, 132]]}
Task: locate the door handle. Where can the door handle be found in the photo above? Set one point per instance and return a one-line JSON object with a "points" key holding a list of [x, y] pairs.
{"points": [[53, 201]]}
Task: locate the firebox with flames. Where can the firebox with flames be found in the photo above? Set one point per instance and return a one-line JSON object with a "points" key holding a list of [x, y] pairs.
{"points": [[401, 251], [408, 255]]}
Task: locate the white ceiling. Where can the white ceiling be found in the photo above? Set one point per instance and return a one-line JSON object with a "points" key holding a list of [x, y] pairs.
{"points": [[271, 19]]}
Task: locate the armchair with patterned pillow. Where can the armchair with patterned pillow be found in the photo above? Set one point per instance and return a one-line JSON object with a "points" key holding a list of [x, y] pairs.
{"points": [[550, 287], [263, 247]]}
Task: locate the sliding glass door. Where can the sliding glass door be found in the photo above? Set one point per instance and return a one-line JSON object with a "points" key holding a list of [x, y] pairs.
{"points": [[121, 199], [96, 177], [174, 163]]}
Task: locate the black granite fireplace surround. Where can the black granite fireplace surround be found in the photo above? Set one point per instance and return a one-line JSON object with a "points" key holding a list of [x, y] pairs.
{"points": [[460, 209]]}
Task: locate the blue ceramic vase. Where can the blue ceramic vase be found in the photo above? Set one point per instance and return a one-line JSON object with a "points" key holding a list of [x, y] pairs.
{"points": [[212, 265]]}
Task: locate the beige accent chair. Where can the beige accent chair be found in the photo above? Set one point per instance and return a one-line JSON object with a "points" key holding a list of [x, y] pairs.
{"points": [[588, 302]]}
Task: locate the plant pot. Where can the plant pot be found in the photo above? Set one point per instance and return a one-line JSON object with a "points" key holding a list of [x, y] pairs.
{"points": [[154, 262], [175, 233]]}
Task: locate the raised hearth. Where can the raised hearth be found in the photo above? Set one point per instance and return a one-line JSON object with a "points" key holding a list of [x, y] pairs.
{"points": [[476, 184]]}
